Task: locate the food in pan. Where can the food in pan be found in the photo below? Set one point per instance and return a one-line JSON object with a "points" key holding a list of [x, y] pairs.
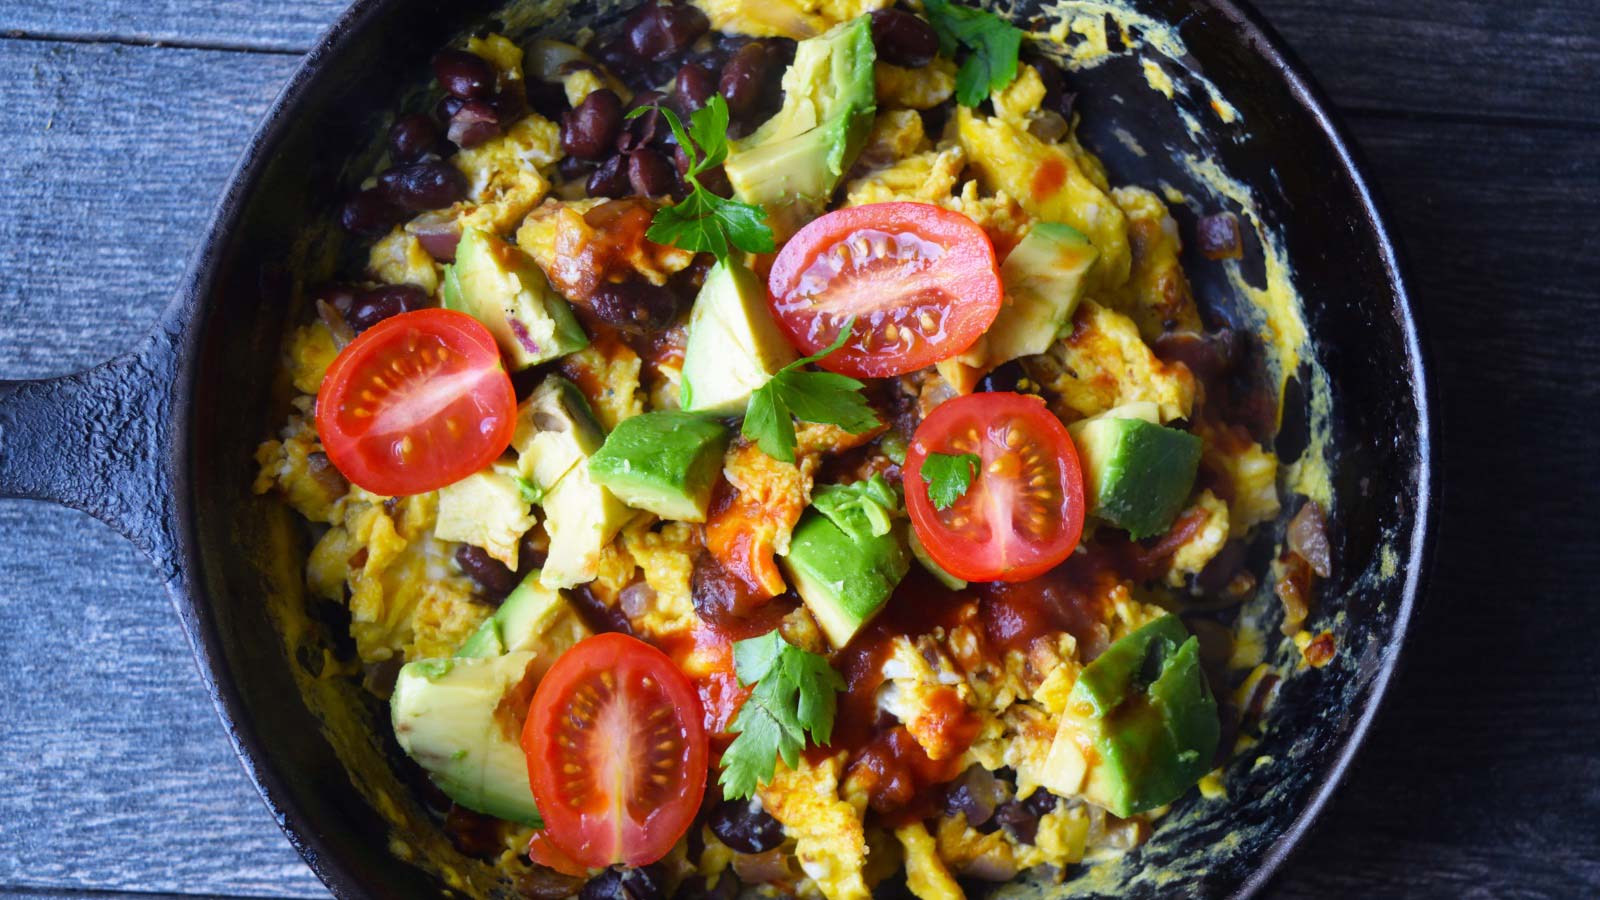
{"points": [[763, 452]]}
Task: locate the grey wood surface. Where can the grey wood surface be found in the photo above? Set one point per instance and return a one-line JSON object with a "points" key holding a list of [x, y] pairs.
{"points": [[122, 120]]}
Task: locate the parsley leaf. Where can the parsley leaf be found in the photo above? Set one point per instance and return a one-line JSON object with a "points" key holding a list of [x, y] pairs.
{"points": [[795, 693], [530, 492], [704, 222], [826, 398], [992, 44], [948, 476]]}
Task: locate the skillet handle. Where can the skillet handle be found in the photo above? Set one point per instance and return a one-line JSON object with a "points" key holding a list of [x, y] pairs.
{"points": [[99, 441]]}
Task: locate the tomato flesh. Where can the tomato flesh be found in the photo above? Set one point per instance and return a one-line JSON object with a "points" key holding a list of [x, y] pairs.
{"points": [[920, 281], [1023, 512], [416, 402], [617, 752]]}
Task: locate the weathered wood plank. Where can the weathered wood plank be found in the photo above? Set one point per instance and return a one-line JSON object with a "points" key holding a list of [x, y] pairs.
{"points": [[284, 25], [20, 893], [1536, 60], [1483, 776], [112, 158], [117, 774], [1464, 57]]}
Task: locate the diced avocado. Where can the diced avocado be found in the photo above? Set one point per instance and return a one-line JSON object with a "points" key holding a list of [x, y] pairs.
{"points": [[1140, 725], [448, 715], [486, 509], [934, 569], [847, 555], [556, 434], [663, 462], [533, 618], [502, 287], [1044, 278], [1136, 473], [734, 346], [792, 163]]}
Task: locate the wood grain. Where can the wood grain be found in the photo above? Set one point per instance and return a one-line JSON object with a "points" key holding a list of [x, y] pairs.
{"points": [[1483, 776]]}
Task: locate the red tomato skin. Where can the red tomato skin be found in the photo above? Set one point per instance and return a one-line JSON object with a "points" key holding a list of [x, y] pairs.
{"points": [[962, 286], [493, 401], [594, 840], [961, 556]]}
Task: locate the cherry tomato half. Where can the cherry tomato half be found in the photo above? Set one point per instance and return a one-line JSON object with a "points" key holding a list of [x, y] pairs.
{"points": [[617, 752], [416, 402], [921, 282], [1023, 513]]}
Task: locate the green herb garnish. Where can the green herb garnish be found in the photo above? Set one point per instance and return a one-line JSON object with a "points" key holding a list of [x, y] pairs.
{"points": [[948, 476], [991, 42], [826, 398], [796, 693], [704, 222]]}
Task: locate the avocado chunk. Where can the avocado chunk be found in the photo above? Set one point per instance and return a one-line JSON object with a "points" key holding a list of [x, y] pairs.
{"points": [[847, 555], [792, 163], [734, 346], [1136, 474], [532, 618], [487, 509], [449, 716], [502, 287], [1140, 726], [1044, 278], [663, 462], [556, 435], [937, 571]]}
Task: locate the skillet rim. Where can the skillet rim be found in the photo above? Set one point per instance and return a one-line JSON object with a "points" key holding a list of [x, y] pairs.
{"points": [[182, 320]]}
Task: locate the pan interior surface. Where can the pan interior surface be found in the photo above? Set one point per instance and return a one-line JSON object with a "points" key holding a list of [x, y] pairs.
{"points": [[1185, 98]]}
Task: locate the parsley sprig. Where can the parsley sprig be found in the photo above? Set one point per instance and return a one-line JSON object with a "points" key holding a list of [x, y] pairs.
{"points": [[826, 398], [948, 476], [704, 222], [991, 42], [796, 693]]}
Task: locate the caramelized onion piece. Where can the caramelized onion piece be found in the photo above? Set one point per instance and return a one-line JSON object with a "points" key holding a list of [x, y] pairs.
{"points": [[1308, 538]]}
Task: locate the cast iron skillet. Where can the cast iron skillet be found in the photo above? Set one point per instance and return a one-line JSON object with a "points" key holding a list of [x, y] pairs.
{"points": [[158, 443]]}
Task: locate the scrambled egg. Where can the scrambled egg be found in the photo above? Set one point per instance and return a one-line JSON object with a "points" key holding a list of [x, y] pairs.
{"points": [[1157, 295], [666, 558], [506, 175], [922, 88], [797, 19], [398, 258], [830, 841], [608, 374], [1103, 363], [1191, 557]]}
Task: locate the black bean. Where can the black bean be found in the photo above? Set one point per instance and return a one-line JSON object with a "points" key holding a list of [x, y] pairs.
{"points": [[589, 130], [1005, 378], [474, 123], [473, 834], [410, 137], [1058, 97], [744, 78], [491, 574], [462, 74], [572, 168], [369, 213], [903, 39], [693, 87], [649, 174], [635, 306], [510, 102], [546, 98], [445, 108], [1041, 802], [646, 128], [1018, 820], [695, 888], [421, 186], [644, 883], [745, 826], [371, 307], [1218, 236], [660, 32], [714, 179], [610, 179]]}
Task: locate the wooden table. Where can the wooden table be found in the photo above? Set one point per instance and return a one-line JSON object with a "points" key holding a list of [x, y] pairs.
{"points": [[121, 119]]}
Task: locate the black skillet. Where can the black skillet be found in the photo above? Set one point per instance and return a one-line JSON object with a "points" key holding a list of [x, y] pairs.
{"points": [[158, 443]]}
